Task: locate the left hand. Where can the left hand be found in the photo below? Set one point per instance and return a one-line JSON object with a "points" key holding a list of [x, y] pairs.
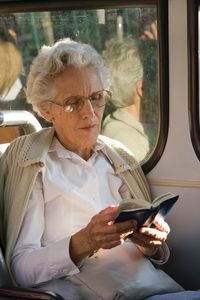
{"points": [[148, 238]]}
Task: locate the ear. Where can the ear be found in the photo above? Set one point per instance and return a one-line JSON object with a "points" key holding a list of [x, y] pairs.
{"points": [[45, 110], [139, 87]]}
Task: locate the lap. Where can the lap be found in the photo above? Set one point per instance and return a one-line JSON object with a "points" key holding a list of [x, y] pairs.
{"points": [[69, 291]]}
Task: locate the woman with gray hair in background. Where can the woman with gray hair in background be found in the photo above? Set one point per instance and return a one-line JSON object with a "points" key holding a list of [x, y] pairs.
{"points": [[123, 61], [60, 194]]}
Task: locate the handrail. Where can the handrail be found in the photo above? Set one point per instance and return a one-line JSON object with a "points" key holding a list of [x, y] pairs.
{"points": [[19, 117]]}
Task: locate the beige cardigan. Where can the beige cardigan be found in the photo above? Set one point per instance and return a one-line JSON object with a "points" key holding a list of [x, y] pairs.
{"points": [[19, 166]]}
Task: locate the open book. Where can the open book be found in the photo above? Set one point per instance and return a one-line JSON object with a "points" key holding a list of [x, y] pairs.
{"points": [[143, 211]]}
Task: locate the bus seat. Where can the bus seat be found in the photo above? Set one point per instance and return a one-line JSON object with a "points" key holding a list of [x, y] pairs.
{"points": [[14, 123], [9, 291], [3, 148]]}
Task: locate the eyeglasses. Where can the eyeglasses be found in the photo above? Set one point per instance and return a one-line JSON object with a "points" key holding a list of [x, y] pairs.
{"points": [[75, 104]]}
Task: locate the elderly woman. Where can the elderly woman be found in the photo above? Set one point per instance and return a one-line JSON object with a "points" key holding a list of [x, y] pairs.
{"points": [[58, 185]]}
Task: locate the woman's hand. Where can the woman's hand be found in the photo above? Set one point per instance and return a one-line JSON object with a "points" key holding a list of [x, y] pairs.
{"points": [[148, 238], [101, 232]]}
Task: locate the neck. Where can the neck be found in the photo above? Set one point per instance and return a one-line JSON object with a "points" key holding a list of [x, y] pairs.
{"points": [[133, 110], [84, 152]]}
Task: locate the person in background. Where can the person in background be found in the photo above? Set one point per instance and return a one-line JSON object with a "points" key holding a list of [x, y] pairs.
{"points": [[12, 89], [123, 61], [10, 66], [11, 60], [10, 83]]}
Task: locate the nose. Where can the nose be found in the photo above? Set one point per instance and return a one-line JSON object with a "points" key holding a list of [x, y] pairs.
{"points": [[87, 111]]}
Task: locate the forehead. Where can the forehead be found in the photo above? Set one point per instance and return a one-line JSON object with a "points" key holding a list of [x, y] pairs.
{"points": [[78, 81]]}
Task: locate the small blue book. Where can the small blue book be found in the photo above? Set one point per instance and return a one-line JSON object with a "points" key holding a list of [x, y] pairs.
{"points": [[145, 214]]}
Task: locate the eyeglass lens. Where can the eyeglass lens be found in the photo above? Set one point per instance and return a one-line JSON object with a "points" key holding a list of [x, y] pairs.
{"points": [[76, 103]]}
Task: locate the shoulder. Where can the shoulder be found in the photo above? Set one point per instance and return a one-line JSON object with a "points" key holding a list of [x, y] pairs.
{"points": [[29, 145], [111, 121], [115, 144], [29, 138]]}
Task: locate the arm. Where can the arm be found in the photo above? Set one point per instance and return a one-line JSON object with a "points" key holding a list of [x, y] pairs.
{"points": [[32, 262]]}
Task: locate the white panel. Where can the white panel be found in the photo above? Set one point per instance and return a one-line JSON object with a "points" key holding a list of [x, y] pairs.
{"points": [[179, 161]]}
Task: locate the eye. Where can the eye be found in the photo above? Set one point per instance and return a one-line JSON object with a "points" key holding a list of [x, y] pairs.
{"points": [[73, 103], [98, 96], [73, 100]]}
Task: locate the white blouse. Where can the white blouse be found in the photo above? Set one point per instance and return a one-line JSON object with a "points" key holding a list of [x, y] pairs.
{"points": [[67, 193]]}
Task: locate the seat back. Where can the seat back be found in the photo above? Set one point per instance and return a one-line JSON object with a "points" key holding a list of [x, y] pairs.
{"points": [[5, 280]]}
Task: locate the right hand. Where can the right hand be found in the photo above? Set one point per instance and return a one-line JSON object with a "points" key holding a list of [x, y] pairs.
{"points": [[104, 233], [101, 232]]}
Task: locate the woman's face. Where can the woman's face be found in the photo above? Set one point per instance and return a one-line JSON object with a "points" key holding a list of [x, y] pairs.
{"points": [[77, 131]]}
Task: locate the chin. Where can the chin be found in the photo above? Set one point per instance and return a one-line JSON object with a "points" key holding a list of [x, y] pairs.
{"points": [[89, 142]]}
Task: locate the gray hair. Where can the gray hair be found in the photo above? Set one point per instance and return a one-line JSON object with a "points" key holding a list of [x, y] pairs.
{"points": [[53, 61], [123, 61]]}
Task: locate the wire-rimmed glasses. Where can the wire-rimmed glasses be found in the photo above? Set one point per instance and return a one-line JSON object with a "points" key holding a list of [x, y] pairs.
{"points": [[75, 103]]}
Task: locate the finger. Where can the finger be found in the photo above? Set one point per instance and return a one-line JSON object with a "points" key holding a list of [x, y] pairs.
{"points": [[112, 244], [122, 227], [110, 209], [111, 240], [145, 243], [153, 233], [160, 224], [100, 233], [107, 215], [114, 237], [146, 238]]}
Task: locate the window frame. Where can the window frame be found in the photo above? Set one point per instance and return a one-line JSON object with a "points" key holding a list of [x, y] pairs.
{"points": [[10, 6], [193, 75]]}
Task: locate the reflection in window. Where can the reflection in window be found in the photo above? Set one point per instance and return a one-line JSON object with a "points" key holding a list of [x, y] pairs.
{"points": [[136, 115]]}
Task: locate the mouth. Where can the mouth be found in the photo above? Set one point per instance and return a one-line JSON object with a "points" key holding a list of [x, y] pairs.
{"points": [[89, 127]]}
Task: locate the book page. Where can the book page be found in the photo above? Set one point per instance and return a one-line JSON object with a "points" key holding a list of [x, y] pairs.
{"points": [[140, 203], [134, 204], [158, 200]]}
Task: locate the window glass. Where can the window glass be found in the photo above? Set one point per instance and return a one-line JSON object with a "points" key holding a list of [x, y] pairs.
{"points": [[194, 70], [126, 37], [199, 60]]}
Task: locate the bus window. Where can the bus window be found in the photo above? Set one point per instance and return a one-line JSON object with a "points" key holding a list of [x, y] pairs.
{"points": [[135, 114], [194, 69]]}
